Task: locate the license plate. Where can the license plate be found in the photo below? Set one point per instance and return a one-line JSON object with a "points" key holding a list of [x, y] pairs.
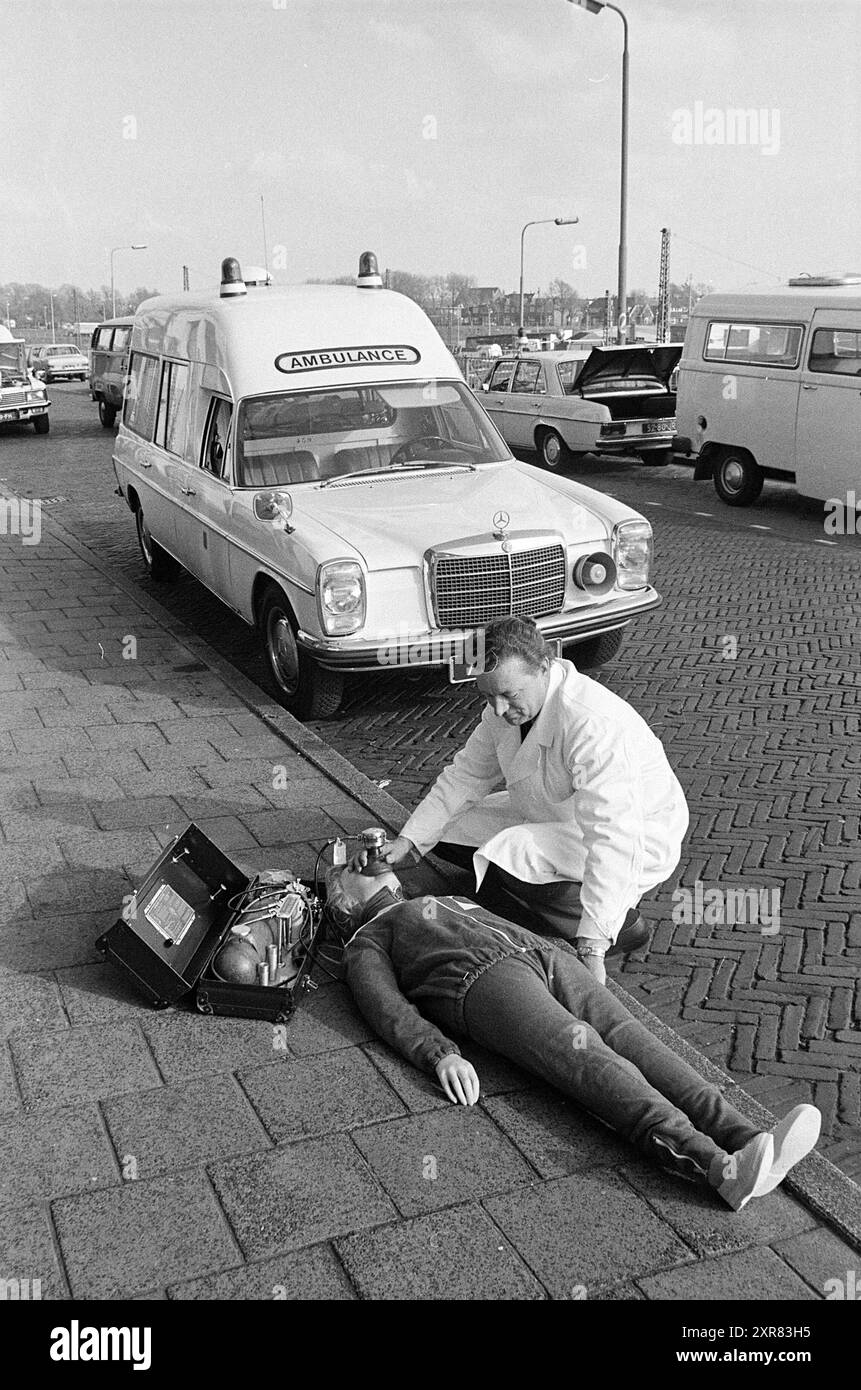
{"points": [[658, 426]]}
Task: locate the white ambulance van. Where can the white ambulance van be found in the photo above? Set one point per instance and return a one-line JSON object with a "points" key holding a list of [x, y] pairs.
{"points": [[770, 387], [313, 455]]}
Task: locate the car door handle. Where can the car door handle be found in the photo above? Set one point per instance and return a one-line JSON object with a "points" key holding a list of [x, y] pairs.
{"points": [[188, 492], [146, 463], [808, 386]]}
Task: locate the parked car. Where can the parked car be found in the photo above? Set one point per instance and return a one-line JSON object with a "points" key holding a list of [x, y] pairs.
{"points": [[22, 396], [769, 388], [59, 362], [313, 455], [603, 400], [109, 360]]}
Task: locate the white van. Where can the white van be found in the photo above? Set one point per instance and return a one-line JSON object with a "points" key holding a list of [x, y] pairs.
{"points": [[313, 455], [770, 387]]}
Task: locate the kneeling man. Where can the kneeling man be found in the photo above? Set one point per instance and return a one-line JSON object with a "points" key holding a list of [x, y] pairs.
{"points": [[423, 969]]}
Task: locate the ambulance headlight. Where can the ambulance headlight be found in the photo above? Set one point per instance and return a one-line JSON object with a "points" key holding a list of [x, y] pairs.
{"points": [[632, 552], [341, 596]]}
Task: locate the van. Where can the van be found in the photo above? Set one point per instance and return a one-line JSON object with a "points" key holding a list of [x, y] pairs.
{"points": [[109, 360], [770, 387], [313, 455]]}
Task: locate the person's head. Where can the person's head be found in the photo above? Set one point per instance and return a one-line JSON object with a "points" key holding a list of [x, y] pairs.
{"points": [[348, 893], [516, 669]]}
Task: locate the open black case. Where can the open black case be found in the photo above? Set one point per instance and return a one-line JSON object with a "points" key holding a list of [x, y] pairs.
{"points": [[179, 917]]}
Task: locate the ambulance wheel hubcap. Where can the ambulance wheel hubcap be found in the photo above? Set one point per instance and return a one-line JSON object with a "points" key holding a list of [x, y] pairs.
{"points": [[283, 654]]}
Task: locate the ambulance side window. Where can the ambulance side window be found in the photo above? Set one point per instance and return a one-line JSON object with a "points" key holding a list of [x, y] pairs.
{"points": [[141, 395], [216, 437], [170, 430]]}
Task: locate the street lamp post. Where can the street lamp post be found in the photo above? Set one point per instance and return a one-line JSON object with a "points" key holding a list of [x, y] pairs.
{"points": [[136, 246], [558, 222], [595, 7]]}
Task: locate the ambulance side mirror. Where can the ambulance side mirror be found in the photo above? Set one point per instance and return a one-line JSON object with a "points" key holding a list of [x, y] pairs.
{"points": [[272, 506]]}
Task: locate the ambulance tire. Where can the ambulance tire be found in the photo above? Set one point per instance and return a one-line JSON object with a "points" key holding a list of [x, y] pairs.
{"points": [[738, 477], [552, 448], [41, 424], [159, 565], [107, 414], [303, 687], [594, 652]]}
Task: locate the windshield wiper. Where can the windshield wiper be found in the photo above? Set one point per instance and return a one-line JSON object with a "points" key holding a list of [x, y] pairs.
{"points": [[434, 463], [344, 477]]}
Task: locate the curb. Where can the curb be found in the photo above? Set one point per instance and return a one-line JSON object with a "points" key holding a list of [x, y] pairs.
{"points": [[818, 1184]]}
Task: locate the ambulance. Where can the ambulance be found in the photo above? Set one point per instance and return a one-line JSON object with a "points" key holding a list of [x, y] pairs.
{"points": [[313, 455]]}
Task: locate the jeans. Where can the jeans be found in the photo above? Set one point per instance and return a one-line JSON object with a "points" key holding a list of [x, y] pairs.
{"points": [[547, 1013], [553, 907]]}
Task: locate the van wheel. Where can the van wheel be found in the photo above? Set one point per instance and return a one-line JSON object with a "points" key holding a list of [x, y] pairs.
{"points": [[552, 448], [160, 566], [107, 414], [587, 656], [738, 477], [304, 688], [41, 424]]}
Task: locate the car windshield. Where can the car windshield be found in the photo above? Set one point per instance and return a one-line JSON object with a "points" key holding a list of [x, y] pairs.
{"points": [[63, 350], [314, 436]]}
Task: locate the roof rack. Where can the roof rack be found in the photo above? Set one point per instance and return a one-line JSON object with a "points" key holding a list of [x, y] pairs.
{"points": [[823, 281]]}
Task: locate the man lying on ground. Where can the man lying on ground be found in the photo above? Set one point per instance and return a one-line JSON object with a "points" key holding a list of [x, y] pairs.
{"points": [[425, 968]]}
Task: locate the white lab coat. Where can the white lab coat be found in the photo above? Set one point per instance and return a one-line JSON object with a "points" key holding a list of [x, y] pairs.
{"points": [[590, 797]]}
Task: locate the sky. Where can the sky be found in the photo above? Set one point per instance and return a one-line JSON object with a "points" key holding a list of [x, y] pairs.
{"points": [[428, 131]]}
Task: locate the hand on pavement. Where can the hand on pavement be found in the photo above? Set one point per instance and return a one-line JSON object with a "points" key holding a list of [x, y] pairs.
{"points": [[458, 1079]]}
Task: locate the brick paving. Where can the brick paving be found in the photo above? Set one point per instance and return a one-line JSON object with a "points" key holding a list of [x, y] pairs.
{"points": [[169, 1154]]}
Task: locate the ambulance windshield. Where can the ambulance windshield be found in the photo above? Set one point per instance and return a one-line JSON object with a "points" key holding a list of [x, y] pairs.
{"points": [[314, 436]]}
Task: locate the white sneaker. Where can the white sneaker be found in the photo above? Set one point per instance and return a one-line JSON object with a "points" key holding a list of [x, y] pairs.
{"points": [[794, 1138], [748, 1172]]}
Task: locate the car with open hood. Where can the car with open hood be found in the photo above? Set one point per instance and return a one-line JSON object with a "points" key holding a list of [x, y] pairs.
{"points": [[313, 455], [583, 400], [23, 398]]}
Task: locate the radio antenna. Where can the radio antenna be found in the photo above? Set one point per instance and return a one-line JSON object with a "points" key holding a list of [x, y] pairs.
{"points": [[265, 243]]}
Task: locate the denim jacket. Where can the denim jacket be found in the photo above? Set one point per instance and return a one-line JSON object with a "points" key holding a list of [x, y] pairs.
{"points": [[421, 949]]}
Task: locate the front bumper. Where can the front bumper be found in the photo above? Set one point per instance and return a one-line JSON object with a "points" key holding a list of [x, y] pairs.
{"points": [[437, 647], [9, 414]]}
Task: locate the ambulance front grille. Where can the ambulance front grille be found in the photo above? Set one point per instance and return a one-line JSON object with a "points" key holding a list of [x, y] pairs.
{"points": [[13, 398], [470, 591]]}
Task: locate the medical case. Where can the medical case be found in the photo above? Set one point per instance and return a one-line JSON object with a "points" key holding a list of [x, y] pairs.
{"points": [[182, 913]]}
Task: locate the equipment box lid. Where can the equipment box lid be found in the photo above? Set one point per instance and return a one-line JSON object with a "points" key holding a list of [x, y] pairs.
{"points": [[173, 924]]}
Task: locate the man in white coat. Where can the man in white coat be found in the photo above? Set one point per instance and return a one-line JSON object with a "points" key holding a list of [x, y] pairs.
{"points": [[590, 801]]}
